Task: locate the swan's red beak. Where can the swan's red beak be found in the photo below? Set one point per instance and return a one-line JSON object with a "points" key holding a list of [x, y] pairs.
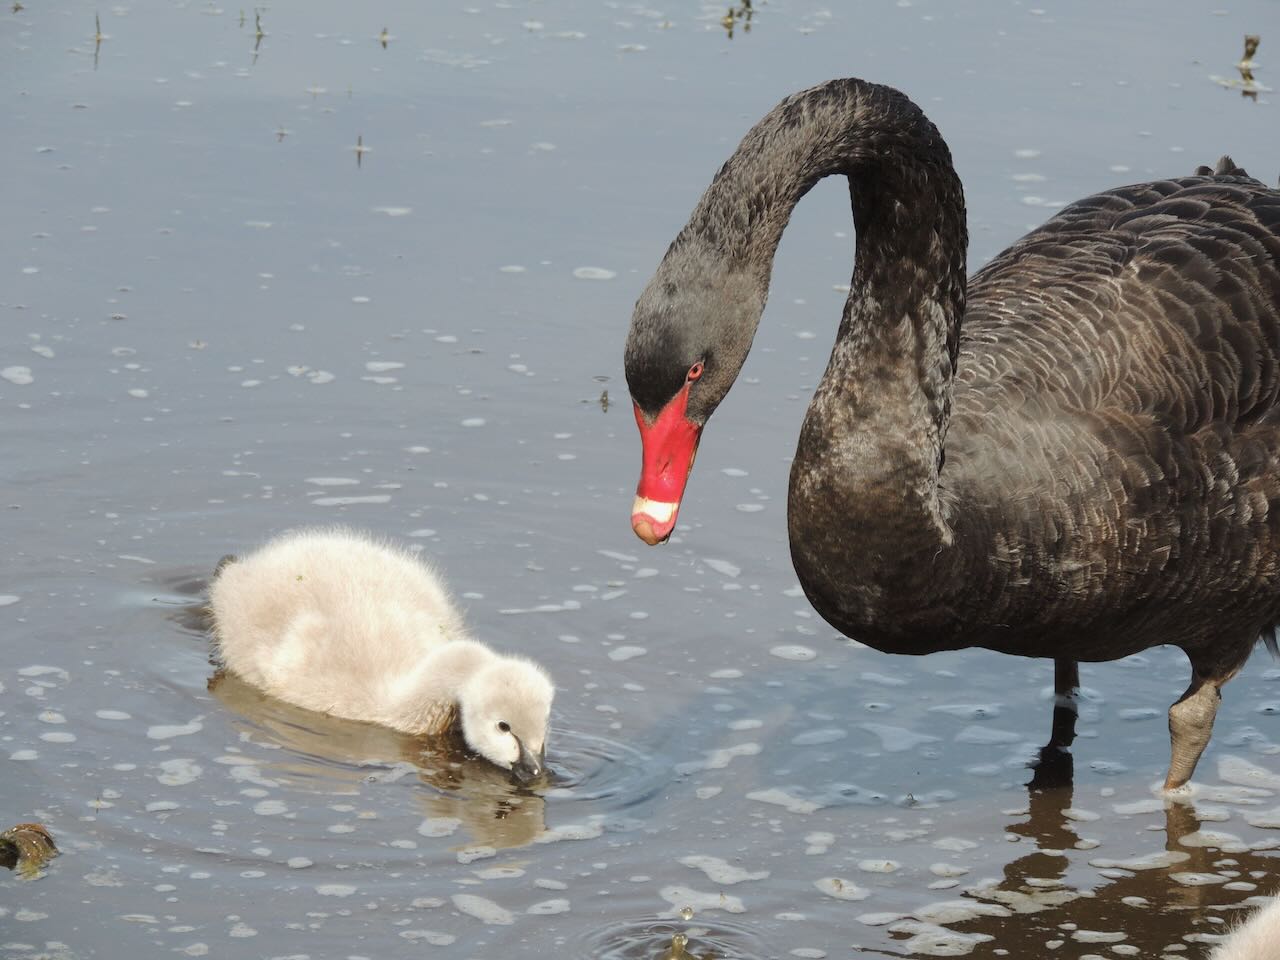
{"points": [[670, 442]]}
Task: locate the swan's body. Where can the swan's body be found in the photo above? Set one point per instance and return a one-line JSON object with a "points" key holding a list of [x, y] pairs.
{"points": [[1258, 938], [334, 621], [1086, 468]]}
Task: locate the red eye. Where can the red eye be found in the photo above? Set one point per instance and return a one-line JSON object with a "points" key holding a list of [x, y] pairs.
{"points": [[695, 371]]}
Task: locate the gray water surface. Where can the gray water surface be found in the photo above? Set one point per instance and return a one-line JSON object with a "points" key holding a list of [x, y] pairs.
{"points": [[255, 282]]}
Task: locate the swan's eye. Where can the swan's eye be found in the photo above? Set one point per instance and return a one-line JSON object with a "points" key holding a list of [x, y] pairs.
{"points": [[504, 726], [695, 371]]}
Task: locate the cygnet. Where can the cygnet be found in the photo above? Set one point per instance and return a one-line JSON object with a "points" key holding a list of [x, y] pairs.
{"points": [[337, 621]]}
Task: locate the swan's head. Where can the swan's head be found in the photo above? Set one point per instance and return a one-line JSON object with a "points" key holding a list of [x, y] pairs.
{"points": [[689, 337], [504, 711]]}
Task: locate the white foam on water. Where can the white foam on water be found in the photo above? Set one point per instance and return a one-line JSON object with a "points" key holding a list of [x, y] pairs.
{"points": [[897, 739], [841, 889], [335, 889], [780, 798], [793, 651], [18, 376], [179, 772], [594, 273], [547, 908], [720, 871], [483, 909], [439, 826], [169, 731], [680, 897]]}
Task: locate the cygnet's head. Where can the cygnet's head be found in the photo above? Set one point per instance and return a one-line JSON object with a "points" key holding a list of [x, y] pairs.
{"points": [[504, 710]]}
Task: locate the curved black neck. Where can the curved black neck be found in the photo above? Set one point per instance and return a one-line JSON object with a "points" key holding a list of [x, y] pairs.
{"points": [[864, 498]]}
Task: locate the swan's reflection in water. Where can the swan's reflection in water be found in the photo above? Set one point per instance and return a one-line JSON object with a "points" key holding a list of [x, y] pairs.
{"points": [[327, 752], [1193, 879]]}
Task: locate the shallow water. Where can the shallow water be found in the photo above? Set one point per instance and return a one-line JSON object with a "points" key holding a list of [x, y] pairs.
{"points": [[221, 320]]}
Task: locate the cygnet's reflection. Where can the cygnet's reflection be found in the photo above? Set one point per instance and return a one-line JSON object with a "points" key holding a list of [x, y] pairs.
{"points": [[489, 805]]}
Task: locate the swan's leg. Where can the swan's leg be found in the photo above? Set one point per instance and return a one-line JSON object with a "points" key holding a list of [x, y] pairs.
{"points": [[1054, 766], [1066, 692], [1190, 726]]}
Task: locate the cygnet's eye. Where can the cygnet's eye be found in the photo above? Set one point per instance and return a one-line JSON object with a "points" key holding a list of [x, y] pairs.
{"points": [[504, 726]]}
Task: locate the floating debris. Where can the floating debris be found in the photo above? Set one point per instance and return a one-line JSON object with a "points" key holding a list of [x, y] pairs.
{"points": [[1247, 85], [735, 15], [27, 848]]}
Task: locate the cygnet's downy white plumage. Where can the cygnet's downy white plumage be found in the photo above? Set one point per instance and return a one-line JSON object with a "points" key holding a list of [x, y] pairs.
{"points": [[1257, 939], [338, 622]]}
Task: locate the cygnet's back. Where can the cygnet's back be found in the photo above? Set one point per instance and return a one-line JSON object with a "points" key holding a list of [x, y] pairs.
{"points": [[1257, 939], [333, 621]]}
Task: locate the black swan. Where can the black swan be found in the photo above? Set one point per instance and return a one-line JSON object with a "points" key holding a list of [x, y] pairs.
{"points": [[1075, 454]]}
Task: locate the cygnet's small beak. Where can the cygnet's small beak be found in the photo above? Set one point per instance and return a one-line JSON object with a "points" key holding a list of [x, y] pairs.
{"points": [[529, 766]]}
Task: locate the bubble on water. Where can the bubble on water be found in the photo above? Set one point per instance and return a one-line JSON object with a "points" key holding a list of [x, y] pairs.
{"points": [[841, 889], [472, 854], [512, 268], [931, 940], [594, 273], [549, 907], [1098, 936], [1158, 860], [58, 737], [394, 211], [241, 930], [383, 366], [26, 754], [179, 772], [947, 870], [1080, 815], [439, 826], [335, 889], [986, 736], [779, 797], [299, 863], [331, 481], [814, 737], [593, 828], [621, 654], [270, 808], [1242, 772], [883, 679], [722, 567], [1026, 153], [113, 715], [433, 937], [879, 866], [897, 739], [718, 758], [954, 844], [483, 909], [793, 651], [161, 806], [7, 599], [18, 376], [350, 501], [719, 871], [684, 898], [1265, 819], [169, 731]]}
